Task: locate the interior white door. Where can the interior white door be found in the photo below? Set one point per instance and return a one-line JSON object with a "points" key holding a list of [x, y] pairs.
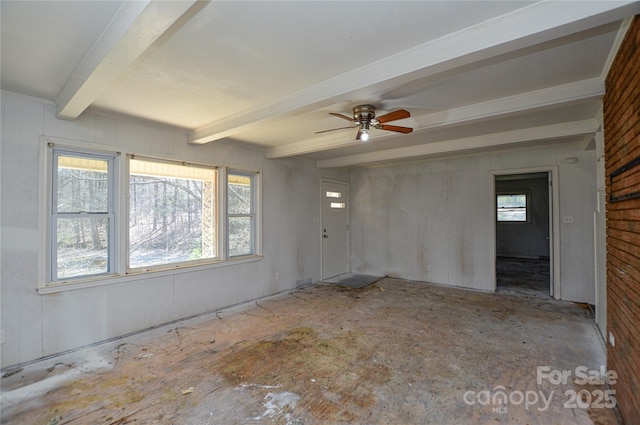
{"points": [[335, 229]]}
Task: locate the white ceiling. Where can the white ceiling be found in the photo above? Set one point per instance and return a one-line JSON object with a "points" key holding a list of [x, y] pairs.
{"points": [[475, 75]]}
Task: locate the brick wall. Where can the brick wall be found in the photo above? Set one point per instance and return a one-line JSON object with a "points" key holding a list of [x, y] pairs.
{"points": [[622, 147]]}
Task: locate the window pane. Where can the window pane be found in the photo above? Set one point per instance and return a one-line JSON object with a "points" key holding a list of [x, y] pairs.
{"points": [[512, 215], [512, 207], [512, 201], [82, 247], [83, 184], [172, 211], [240, 236], [239, 194], [240, 214]]}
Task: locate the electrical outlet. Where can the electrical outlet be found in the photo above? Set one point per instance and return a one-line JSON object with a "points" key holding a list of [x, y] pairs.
{"points": [[277, 275], [567, 219]]}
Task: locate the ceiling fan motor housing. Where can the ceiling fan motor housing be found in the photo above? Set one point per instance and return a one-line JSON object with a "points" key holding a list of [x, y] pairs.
{"points": [[364, 113]]}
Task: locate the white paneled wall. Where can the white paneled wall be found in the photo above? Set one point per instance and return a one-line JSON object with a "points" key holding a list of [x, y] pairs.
{"points": [[433, 221], [39, 325]]}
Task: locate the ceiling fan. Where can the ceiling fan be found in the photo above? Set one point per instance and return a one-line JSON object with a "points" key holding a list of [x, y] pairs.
{"points": [[364, 117]]}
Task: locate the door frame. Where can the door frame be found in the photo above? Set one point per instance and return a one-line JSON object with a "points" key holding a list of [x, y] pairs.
{"points": [[320, 232], [554, 223]]}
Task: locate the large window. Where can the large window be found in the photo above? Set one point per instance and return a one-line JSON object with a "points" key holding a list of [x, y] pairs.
{"points": [[172, 213], [513, 207], [241, 213], [110, 214]]}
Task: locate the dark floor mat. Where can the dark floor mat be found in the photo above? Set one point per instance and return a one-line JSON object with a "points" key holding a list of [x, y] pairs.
{"points": [[354, 280]]}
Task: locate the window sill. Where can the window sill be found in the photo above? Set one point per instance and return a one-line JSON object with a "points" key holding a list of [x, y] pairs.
{"points": [[76, 284]]}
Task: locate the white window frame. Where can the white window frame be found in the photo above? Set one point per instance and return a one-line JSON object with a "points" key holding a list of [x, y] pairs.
{"points": [[171, 265], [254, 214], [527, 208], [119, 255], [109, 215]]}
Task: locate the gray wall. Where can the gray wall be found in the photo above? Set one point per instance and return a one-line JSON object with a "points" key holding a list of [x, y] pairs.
{"points": [[528, 239], [39, 325], [434, 221]]}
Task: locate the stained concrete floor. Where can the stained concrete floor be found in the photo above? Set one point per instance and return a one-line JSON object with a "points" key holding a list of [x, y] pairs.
{"points": [[393, 352], [523, 275]]}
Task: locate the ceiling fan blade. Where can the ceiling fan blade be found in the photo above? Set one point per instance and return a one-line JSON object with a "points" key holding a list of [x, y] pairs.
{"points": [[399, 129], [344, 117], [334, 129], [395, 115]]}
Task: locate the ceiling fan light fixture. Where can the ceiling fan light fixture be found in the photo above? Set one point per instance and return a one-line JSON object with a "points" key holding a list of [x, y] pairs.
{"points": [[364, 135], [364, 131]]}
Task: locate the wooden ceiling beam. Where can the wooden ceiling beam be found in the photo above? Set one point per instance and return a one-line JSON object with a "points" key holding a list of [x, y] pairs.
{"points": [[534, 101], [486, 141], [133, 29]]}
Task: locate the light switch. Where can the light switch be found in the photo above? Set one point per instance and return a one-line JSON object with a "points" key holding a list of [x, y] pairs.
{"points": [[567, 219]]}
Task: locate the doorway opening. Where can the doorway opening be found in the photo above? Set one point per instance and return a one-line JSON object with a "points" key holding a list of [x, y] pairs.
{"points": [[524, 233]]}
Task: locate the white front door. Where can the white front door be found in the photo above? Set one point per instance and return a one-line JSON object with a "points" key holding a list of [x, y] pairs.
{"points": [[335, 229]]}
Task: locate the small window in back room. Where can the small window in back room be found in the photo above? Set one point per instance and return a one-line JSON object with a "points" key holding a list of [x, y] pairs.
{"points": [[512, 207]]}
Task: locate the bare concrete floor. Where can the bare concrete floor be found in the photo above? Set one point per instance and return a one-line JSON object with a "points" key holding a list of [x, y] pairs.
{"points": [[393, 352], [524, 276]]}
